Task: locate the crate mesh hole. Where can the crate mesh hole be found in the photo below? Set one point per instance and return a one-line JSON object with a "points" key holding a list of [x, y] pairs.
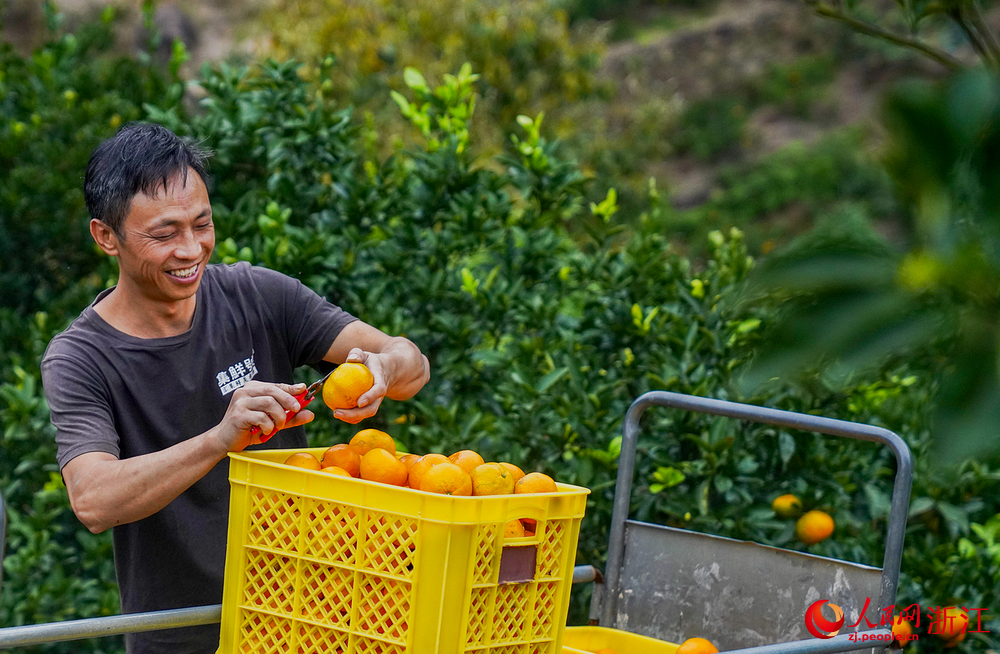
{"points": [[264, 634], [270, 580], [509, 615], [384, 608], [333, 533], [390, 545]]}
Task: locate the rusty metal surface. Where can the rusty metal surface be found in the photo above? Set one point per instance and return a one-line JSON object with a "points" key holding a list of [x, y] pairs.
{"points": [[678, 584]]}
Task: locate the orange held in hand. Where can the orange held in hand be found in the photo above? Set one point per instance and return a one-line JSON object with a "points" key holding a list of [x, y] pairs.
{"points": [[420, 468], [696, 646], [303, 460], [383, 466], [813, 527], [467, 460], [346, 384], [446, 479], [492, 479], [535, 482], [343, 456], [367, 440]]}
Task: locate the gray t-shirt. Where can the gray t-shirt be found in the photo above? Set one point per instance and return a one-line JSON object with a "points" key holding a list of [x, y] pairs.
{"points": [[127, 396]]}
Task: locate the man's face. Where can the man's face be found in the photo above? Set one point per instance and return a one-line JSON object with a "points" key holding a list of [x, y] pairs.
{"points": [[168, 240]]}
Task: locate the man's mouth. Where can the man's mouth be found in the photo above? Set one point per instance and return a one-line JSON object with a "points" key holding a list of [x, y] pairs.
{"points": [[184, 273]]}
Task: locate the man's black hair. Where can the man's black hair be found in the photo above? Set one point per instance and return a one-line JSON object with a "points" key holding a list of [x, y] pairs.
{"points": [[138, 159]]}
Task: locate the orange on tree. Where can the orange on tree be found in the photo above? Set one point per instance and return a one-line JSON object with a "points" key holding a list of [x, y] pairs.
{"points": [[303, 460], [346, 384], [787, 506], [813, 527], [513, 529], [343, 456], [492, 479], [447, 479], [696, 646], [383, 466], [535, 482], [466, 460], [336, 470], [516, 472], [952, 624], [420, 468], [367, 440], [902, 630]]}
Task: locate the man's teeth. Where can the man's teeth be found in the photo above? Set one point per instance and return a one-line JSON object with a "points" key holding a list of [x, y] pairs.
{"points": [[187, 272]]}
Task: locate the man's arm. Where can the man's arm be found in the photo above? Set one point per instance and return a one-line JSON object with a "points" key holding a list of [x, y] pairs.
{"points": [[399, 368], [105, 491]]}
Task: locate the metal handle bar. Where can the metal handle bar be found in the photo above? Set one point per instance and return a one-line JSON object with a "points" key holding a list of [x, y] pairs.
{"points": [[626, 467]]}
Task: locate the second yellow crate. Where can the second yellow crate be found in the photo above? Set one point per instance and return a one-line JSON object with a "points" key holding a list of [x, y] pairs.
{"points": [[322, 563]]}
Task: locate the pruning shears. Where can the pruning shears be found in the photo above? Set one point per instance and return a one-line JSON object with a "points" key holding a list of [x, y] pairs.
{"points": [[304, 398]]}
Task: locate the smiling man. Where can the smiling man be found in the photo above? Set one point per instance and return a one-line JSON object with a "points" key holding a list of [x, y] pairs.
{"points": [[168, 371]]}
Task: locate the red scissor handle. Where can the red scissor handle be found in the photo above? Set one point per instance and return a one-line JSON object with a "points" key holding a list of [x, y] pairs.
{"points": [[304, 399]]}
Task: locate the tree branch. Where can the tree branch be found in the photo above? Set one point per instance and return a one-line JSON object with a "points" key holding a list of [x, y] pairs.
{"points": [[989, 38], [938, 55], [959, 16]]}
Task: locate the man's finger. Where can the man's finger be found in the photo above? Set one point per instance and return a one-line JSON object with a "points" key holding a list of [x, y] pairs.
{"points": [[354, 416], [376, 392], [300, 418]]}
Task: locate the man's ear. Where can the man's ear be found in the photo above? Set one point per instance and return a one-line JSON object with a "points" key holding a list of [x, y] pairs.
{"points": [[105, 237]]}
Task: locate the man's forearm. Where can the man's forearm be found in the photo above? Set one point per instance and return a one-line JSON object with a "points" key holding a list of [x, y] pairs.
{"points": [[110, 492], [409, 371]]}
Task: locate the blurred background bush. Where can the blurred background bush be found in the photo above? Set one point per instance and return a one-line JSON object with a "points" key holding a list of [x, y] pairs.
{"points": [[610, 198]]}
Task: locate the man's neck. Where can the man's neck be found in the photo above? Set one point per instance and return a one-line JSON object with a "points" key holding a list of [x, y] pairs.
{"points": [[133, 313]]}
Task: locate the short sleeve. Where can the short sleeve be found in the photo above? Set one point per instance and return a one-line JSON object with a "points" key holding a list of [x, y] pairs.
{"points": [[310, 322], [80, 409]]}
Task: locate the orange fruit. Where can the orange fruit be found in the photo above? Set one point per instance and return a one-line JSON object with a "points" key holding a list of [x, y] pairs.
{"points": [[492, 479], [420, 468], [515, 472], [535, 482], [696, 646], [303, 460], [348, 382], [787, 506], [902, 630], [409, 459], [813, 527], [382, 466], [513, 529], [343, 456], [367, 440], [447, 479], [336, 470], [952, 624], [466, 460]]}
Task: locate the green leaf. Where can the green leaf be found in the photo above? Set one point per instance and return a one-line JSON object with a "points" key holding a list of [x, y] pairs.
{"points": [[413, 79], [551, 378]]}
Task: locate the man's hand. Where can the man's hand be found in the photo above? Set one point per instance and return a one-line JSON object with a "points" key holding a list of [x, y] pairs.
{"points": [[263, 405], [397, 366], [368, 403]]}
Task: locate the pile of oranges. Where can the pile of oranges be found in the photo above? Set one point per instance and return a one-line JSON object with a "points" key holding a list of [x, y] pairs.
{"points": [[372, 455]]}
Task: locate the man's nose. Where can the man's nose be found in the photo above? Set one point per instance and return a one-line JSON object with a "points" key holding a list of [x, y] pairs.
{"points": [[188, 246]]}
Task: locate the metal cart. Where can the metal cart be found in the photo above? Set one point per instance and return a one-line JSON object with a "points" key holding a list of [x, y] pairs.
{"points": [[664, 582]]}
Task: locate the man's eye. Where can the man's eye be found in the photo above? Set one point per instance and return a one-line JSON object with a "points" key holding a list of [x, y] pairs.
{"points": [[203, 226], [161, 237]]}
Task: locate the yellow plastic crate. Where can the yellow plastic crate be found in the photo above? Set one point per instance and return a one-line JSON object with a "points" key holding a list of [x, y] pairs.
{"points": [[582, 640], [323, 563]]}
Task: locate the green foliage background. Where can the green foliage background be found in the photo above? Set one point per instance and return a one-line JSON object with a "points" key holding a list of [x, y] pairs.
{"points": [[543, 318]]}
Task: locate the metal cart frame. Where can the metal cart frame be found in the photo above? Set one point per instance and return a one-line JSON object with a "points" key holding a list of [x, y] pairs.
{"points": [[607, 595]]}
